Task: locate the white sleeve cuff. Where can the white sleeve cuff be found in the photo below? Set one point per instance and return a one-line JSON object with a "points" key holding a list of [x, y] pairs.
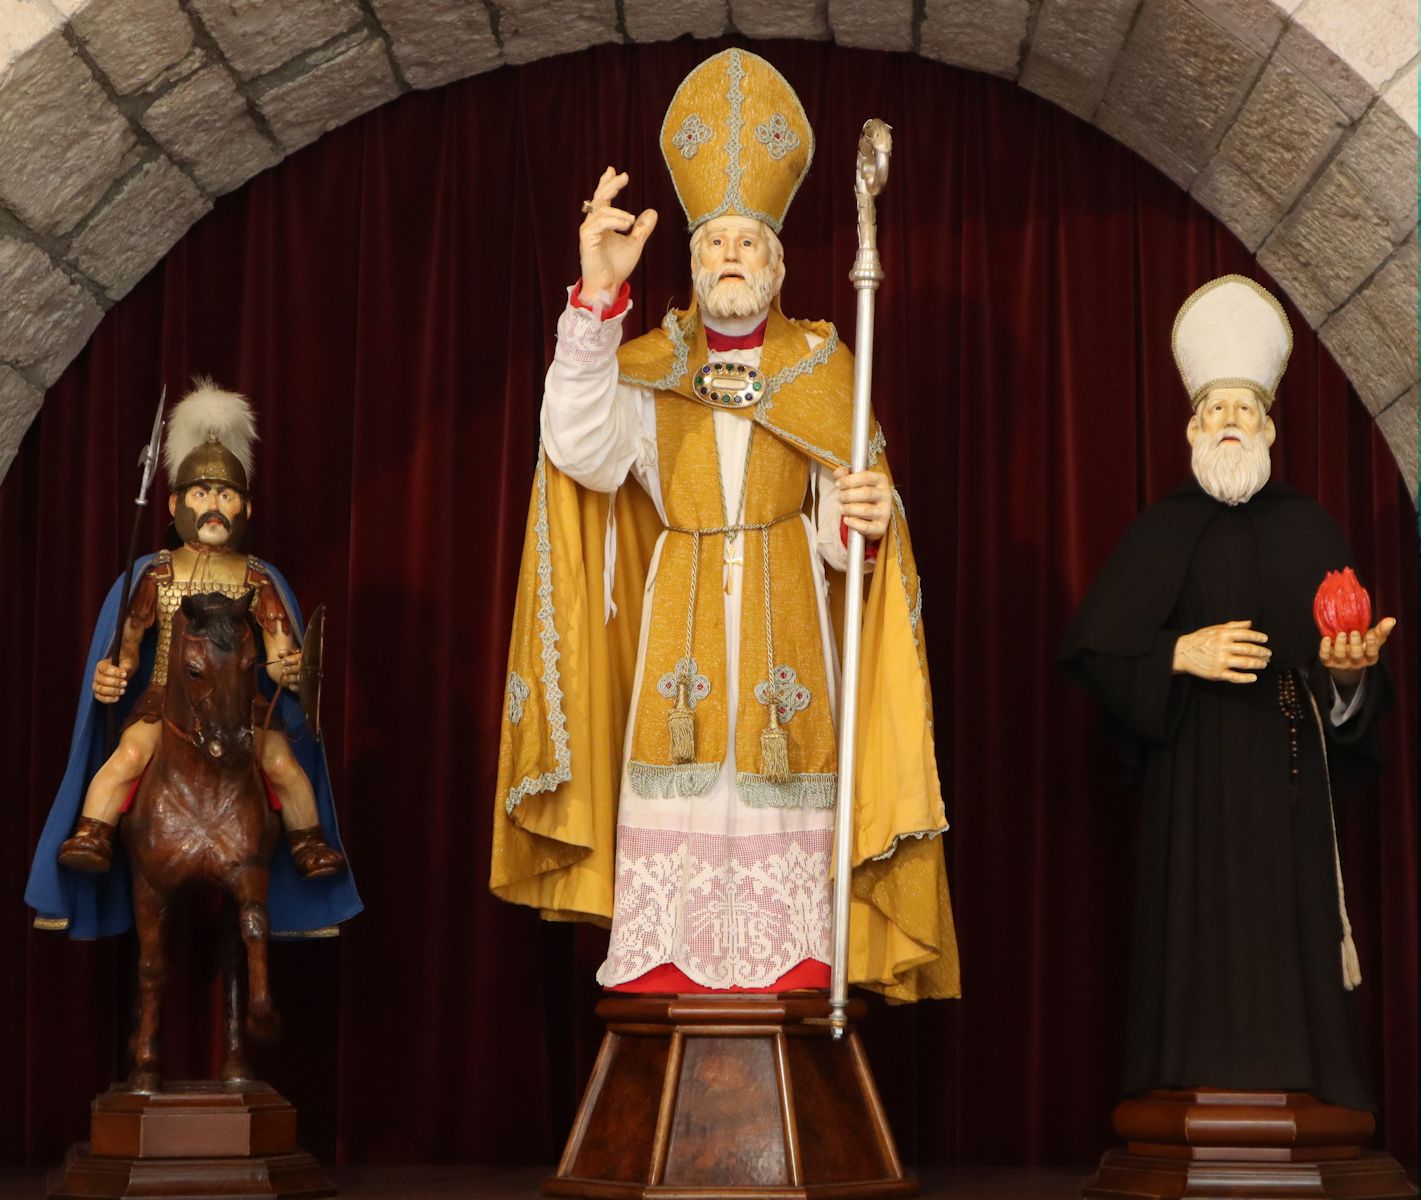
{"points": [[585, 339], [1343, 711]]}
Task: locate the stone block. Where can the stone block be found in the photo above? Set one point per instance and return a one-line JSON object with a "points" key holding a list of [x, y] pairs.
{"points": [[982, 35], [1401, 95], [1398, 425], [780, 18], [436, 41], [19, 403], [205, 125], [1373, 336], [1326, 68], [186, 67], [1179, 83], [134, 41], [531, 29], [1237, 201], [1123, 126], [62, 142], [330, 94], [257, 36], [1074, 49], [46, 317], [1283, 133], [657, 21], [1382, 156], [873, 24], [1295, 278], [1256, 23], [23, 27], [1336, 233], [150, 211], [1375, 39]]}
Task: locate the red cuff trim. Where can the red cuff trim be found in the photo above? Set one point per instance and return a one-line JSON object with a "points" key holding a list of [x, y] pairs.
{"points": [[870, 549], [617, 307]]}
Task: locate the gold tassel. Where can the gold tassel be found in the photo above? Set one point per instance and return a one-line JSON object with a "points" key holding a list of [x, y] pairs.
{"points": [[774, 750], [683, 728]]}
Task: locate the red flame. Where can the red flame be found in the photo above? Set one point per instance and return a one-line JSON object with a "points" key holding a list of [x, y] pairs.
{"points": [[1342, 605]]}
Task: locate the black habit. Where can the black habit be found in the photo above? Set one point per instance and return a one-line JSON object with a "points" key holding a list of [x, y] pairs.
{"points": [[1236, 977]]}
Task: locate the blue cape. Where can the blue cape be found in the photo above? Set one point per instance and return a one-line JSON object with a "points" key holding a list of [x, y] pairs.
{"points": [[90, 906]]}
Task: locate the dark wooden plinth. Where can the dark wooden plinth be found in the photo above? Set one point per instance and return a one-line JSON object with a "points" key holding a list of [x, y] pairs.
{"points": [[745, 1097], [191, 1139], [1213, 1143]]}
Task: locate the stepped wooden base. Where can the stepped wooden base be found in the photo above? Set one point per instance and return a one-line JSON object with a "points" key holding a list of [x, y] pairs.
{"points": [[745, 1097], [1257, 1145], [191, 1139]]}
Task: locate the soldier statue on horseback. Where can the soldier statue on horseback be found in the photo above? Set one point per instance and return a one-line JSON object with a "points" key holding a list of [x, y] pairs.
{"points": [[208, 456], [77, 883]]}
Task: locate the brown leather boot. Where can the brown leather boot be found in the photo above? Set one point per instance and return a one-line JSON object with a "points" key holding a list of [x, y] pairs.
{"points": [[90, 849], [313, 856]]}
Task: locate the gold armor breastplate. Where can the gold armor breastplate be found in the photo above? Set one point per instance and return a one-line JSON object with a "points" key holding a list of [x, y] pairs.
{"points": [[172, 590]]}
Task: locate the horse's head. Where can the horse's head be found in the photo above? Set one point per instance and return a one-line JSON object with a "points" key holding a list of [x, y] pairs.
{"points": [[211, 677]]}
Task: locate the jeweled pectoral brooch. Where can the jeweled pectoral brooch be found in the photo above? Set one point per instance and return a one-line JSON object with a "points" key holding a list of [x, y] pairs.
{"points": [[729, 385]]}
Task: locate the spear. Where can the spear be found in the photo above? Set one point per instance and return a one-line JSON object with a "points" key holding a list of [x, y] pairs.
{"points": [[148, 461], [871, 174]]}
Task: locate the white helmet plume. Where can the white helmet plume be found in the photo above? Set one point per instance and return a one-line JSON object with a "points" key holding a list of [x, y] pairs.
{"points": [[209, 413]]}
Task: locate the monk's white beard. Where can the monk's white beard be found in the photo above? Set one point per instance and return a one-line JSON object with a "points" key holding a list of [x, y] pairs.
{"points": [[1232, 472], [734, 297]]}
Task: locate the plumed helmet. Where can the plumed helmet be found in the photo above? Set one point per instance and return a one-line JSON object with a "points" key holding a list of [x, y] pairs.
{"points": [[736, 140], [209, 437], [1232, 333]]}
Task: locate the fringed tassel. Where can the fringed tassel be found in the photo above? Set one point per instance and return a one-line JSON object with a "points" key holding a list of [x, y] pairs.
{"points": [[1351, 964], [774, 750], [683, 727]]}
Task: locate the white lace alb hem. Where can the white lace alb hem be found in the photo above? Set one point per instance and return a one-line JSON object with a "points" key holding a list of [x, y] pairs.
{"points": [[727, 911]]}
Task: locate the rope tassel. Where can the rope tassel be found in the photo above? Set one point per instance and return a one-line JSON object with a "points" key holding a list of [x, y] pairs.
{"points": [[682, 722], [774, 750]]}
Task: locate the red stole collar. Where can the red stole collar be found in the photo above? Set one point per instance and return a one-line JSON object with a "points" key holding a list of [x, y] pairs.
{"points": [[728, 341]]}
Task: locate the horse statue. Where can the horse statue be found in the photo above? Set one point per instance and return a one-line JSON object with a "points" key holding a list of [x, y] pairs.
{"points": [[201, 814]]}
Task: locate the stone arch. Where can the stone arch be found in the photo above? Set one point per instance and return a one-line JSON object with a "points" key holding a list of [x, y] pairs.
{"points": [[1293, 121]]}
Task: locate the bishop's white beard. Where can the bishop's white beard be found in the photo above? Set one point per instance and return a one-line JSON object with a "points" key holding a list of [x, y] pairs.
{"points": [[734, 297], [1231, 472]]}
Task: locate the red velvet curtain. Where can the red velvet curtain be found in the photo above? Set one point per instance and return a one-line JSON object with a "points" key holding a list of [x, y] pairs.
{"points": [[388, 298]]}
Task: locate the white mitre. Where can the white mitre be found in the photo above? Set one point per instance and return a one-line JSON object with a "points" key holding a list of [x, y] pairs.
{"points": [[1232, 333]]}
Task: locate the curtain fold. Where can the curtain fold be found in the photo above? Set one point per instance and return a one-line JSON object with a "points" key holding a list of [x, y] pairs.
{"points": [[388, 297]]}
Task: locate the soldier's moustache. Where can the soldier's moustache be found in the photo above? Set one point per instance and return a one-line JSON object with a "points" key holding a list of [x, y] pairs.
{"points": [[213, 515]]}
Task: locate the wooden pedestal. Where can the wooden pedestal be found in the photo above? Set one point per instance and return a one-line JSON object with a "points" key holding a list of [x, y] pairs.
{"points": [[191, 1139], [749, 1097], [1213, 1143]]}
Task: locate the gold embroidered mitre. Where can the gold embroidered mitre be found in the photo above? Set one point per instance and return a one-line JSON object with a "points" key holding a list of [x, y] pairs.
{"points": [[736, 140]]}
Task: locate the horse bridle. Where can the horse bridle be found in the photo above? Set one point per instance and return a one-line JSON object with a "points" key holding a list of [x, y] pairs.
{"points": [[196, 737]]}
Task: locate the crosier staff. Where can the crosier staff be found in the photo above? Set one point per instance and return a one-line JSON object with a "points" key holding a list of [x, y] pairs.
{"points": [[870, 177], [148, 460]]}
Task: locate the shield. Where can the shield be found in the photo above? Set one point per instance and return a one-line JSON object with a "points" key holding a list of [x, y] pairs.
{"points": [[312, 668]]}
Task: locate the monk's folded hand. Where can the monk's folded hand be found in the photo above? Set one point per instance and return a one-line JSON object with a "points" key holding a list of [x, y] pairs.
{"points": [[1233, 652]]}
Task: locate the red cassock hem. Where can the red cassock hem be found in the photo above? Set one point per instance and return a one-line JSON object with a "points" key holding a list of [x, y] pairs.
{"points": [[668, 979]]}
